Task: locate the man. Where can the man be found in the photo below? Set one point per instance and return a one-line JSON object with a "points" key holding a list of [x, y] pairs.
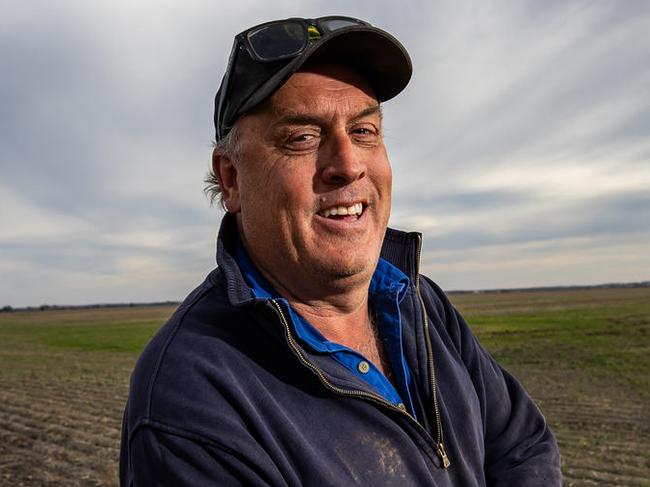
{"points": [[305, 358]]}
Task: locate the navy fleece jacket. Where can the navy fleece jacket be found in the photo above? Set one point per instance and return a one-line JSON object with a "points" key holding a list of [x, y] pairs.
{"points": [[224, 395]]}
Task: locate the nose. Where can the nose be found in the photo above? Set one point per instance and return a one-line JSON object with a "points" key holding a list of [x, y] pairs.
{"points": [[342, 162]]}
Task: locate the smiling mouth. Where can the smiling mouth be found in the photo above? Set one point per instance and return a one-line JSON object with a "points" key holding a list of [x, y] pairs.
{"points": [[339, 212]]}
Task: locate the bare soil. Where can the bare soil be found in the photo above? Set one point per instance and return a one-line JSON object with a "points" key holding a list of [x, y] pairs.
{"points": [[602, 427], [61, 410], [63, 429]]}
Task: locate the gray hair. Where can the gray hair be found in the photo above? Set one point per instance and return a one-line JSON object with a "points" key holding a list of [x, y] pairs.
{"points": [[229, 146]]}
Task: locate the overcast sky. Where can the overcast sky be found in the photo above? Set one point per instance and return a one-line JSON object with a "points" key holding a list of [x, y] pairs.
{"points": [[520, 149]]}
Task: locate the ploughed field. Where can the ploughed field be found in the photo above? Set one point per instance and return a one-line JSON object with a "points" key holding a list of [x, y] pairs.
{"points": [[584, 355]]}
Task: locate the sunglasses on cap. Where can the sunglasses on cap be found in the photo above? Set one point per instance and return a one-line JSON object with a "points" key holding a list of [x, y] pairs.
{"points": [[282, 39]]}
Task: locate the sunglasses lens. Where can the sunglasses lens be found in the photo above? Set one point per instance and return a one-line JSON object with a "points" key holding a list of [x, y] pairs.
{"points": [[333, 24], [276, 41]]}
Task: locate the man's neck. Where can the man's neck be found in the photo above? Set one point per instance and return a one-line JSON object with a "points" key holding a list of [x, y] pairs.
{"points": [[346, 322], [335, 305], [337, 321], [355, 330]]}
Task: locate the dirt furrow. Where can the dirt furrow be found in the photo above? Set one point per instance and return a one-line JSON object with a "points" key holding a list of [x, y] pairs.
{"points": [[617, 468], [99, 434], [599, 420], [581, 475], [69, 441], [65, 391], [77, 413]]}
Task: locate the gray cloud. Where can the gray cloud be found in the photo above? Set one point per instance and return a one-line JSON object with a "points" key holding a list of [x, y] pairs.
{"points": [[520, 144], [619, 214]]}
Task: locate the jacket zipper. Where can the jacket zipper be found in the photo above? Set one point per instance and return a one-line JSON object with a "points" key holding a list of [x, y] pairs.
{"points": [[432, 371], [355, 393]]}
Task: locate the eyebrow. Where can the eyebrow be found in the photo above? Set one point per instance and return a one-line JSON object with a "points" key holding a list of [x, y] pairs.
{"points": [[294, 118], [375, 109]]}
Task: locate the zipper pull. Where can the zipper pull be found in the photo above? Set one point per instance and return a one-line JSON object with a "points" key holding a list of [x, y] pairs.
{"points": [[443, 455]]}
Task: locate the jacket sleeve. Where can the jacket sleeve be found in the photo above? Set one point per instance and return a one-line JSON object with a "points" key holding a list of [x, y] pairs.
{"points": [[520, 449], [164, 458]]}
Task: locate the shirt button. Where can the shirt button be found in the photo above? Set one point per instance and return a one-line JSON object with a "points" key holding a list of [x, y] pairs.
{"points": [[363, 367], [401, 406]]}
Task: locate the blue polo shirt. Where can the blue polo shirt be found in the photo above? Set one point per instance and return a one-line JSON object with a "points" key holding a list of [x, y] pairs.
{"points": [[387, 289]]}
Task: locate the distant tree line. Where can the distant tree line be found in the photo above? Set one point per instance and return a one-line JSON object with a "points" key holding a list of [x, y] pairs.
{"points": [[614, 285], [50, 307]]}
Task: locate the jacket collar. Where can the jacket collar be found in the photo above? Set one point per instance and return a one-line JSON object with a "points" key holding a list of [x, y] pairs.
{"points": [[401, 249], [238, 291]]}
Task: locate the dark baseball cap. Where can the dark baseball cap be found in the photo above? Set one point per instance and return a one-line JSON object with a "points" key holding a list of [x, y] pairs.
{"points": [[264, 57]]}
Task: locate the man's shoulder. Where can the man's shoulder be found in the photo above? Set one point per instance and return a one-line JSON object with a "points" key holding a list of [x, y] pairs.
{"points": [[212, 369], [196, 310], [435, 299], [191, 337]]}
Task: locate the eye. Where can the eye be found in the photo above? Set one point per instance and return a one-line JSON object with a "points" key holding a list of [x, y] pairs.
{"points": [[365, 133], [303, 140]]}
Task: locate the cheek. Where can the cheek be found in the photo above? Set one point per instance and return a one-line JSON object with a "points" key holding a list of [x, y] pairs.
{"points": [[388, 176], [257, 206], [269, 199], [383, 177], [294, 188]]}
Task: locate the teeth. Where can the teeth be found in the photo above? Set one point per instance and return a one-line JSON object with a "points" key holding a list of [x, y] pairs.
{"points": [[355, 209]]}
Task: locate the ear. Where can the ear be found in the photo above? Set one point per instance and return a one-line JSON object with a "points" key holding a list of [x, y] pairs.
{"points": [[226, 172]]}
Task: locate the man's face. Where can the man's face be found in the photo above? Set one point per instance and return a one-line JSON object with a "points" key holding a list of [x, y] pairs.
{"points": [[313, 183]]}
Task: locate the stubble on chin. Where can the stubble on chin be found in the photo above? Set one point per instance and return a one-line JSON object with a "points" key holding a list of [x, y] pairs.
{"points": [[345, 271]]}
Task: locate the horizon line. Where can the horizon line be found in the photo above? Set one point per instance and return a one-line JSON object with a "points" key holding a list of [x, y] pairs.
{"points": [[611, 285]]}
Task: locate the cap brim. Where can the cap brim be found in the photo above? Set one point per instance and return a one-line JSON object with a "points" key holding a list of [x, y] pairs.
{"points": [[377, 55]]}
